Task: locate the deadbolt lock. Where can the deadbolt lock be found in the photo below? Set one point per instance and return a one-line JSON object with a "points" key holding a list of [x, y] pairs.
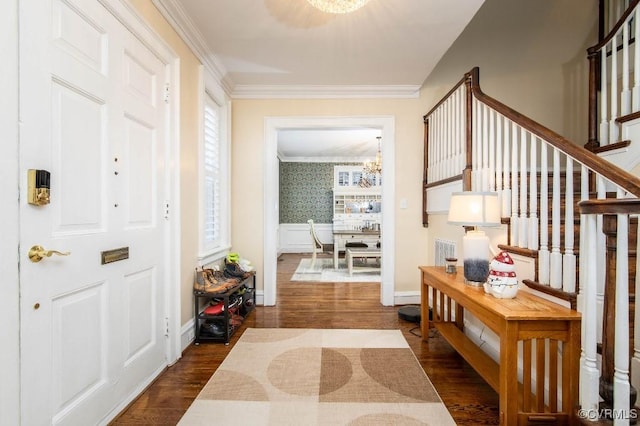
{"points": [[38, 186]]}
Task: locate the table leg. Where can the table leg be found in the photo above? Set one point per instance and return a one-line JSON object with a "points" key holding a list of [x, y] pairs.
{"points": [[571, 370], [424, 308], [509, 374]]}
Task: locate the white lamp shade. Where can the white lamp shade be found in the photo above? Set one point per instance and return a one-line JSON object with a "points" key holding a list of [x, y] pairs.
{"points": [[474, 209]]}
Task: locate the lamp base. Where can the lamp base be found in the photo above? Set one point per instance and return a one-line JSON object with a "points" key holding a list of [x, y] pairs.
{"points": [[476, 271], [473, 283]]}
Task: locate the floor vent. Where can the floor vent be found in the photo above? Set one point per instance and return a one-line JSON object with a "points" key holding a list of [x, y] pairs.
{"points": [[444, 249]]}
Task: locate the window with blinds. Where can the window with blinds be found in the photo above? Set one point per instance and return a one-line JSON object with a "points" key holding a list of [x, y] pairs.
{"points": [[212, 177]]}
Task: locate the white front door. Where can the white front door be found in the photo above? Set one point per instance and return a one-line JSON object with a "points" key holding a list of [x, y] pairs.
{"points": [[93, 114]]}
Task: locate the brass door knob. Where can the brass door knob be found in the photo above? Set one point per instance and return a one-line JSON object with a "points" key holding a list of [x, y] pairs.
{"points": [[37, 253]]}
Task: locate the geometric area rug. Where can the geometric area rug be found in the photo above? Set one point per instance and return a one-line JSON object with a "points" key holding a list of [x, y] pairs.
{"points": [[287, 376], [323, 271]]}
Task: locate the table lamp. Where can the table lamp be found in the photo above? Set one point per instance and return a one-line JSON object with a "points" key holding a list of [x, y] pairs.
{"points": [[475, 209]]}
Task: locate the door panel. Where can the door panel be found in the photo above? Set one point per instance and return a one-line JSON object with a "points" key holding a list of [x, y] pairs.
{"points": [[93, 115], [77, 137], [142, 313], [140, 181], [78, 354]]}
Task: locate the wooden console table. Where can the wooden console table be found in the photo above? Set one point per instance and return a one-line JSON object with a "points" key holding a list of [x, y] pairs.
{"points": [[548, 333]]}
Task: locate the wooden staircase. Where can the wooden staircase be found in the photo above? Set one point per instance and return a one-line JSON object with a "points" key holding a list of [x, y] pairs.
{"points": [[557, 201], [534, 283]]}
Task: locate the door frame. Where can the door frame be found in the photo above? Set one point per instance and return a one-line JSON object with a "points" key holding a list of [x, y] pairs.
{"points": [[271, 194], [9, 181]]}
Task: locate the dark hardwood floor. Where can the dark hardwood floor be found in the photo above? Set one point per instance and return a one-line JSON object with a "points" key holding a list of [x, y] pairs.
{"points": [[318, 305]]}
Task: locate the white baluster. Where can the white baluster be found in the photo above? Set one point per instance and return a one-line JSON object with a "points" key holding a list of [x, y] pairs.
{"points": [[543, 254], [433, 146], [476, 145], [506, 194], [555, 268], [636, 62], [604, 122], [462, 156], [491, 185], [569, 258], [523, 232], [433, 140], [450, 137], [514, 185], [499, 160], [625, 96], [635, 361], [533, 195], [601, 254], [589, 374], [439, 145], [584, 195], [621, 386], [485, 149], [457, 136], [613, 127]]}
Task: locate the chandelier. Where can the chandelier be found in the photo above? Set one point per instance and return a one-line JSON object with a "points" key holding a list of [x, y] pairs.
{"points": [[373, 167], [338, 6]]}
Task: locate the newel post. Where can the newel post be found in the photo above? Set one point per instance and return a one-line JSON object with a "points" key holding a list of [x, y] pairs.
{"points": [[466, 173], [594, 62], [425, 216]]}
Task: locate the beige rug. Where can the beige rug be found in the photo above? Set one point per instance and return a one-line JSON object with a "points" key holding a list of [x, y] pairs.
{"points": [[319, 377], [323, 271]]}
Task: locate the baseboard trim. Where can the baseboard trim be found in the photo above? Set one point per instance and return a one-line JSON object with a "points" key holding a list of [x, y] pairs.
{"points": [[406, 298]]}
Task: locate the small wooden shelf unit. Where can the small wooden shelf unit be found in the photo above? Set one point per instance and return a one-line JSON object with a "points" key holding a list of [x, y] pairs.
{"points": [[538, 338]]}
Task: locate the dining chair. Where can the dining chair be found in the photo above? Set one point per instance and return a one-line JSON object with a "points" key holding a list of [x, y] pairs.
{"points": [[318, 246]]}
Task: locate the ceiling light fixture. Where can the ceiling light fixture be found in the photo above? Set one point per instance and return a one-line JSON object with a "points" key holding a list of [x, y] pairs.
{"points": [[337, 6], [373, 167]]}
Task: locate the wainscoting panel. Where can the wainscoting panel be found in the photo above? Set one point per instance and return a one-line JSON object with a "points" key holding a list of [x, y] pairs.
{"points": [[296, 238]]}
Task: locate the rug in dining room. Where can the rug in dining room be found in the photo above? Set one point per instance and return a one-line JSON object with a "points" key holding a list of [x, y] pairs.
{"points": [[323, 271], [319, 377]]}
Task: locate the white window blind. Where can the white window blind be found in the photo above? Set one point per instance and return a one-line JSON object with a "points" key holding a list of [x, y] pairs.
{"points": [[212, 176]]}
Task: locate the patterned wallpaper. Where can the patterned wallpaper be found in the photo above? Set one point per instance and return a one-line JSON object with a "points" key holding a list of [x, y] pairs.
{"points": [[306, 192]]}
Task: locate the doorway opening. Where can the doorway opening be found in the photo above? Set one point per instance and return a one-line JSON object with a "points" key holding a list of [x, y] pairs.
{"points": [[386, 125]]}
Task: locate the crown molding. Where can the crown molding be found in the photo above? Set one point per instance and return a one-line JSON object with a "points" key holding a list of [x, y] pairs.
{"points": [[175, 15], [286, 159], [242, 91]]}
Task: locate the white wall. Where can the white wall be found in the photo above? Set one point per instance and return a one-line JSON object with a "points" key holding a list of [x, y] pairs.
{"points": [[296, 237]]}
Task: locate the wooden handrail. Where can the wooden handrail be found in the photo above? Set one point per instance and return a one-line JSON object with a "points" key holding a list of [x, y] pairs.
{"points": [[445, 97], [609, 171], [610, 206], [615, 29], [594, 58]]}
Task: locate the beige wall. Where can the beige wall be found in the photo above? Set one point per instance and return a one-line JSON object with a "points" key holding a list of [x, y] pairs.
{"points": [[532, 57], [248, 170], [189, 131]]}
